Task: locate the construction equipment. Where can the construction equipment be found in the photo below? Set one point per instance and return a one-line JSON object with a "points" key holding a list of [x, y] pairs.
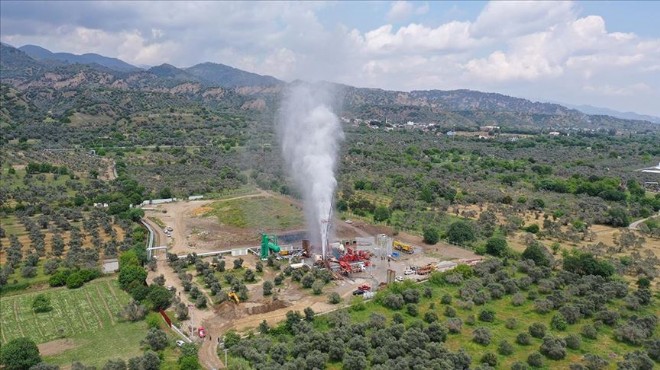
{"points": [[403, 247], [268, 244], [234, 296], [426, 269]]}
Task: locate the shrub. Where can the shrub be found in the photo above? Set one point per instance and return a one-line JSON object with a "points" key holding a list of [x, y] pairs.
{"points": [[75, 280], [558, 322], [535, 359], [573, 341], [430, 317], [412, 310], [446, 299], [537, 330], [431, 235], [595, 362], [553, 348], [454, 325], [41, 303], [334, 298], [460, 232], [539, 254], [496, 246], [268, 288], [317, 287], [482, 336], [511, 323], [393, 301], [489, 358], [523, 339], [487, 315], [589, 332], [238, 263], [519, 366], [450, 311], [505, 348]]}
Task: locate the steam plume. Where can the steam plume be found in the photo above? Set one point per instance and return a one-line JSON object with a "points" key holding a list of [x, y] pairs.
{"points": [[310, 134]]}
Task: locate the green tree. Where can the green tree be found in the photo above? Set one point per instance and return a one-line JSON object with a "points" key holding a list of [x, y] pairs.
{"points": [[381, 213], [19, 354], [159, 297], [460, 232], [539, 254], [431, 235], [41, 303], [496, 246]]}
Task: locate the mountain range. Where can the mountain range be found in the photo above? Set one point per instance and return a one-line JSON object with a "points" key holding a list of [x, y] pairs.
{"points": [[59, 83]]}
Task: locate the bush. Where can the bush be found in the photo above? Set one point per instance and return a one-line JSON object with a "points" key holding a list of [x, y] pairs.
{"points": [[393, 301], [41, 303], [553, 348], [317, 287], [19, 354], [496, 246], [523, 339], [505, 348], [537, 330], [156, 339], [482, 336], [238, 263], [460, 232], [573, 341], [539, 254], [489, 358], [75, 280], [412, 310], [535, 359], [487, 315], [519, 366], [511, 323], [334, 298], [450, 311], [268, 288], [454, 325], [558, 322], [446, 299], [431, 235], [589, 332], [430, 317]]}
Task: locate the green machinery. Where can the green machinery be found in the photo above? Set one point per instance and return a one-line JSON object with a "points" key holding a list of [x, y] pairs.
{"points": [[268, 243]]}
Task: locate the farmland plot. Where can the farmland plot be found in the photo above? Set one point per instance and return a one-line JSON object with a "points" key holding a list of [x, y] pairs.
{"points": [[91, 308]]}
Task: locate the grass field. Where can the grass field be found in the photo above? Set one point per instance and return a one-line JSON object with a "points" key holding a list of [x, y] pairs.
{"points": [[263, 213], [88, 309], [87, 316]]}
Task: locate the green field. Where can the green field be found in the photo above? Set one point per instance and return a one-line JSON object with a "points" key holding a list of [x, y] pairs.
{"points": [[87, 316], [263, 213]]}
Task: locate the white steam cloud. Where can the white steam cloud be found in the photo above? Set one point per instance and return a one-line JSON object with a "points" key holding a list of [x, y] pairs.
{"points": [[310, 134]]}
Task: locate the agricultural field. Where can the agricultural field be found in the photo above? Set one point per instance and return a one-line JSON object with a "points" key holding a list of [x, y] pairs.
{"points": [[262, 213], [83, 323]]}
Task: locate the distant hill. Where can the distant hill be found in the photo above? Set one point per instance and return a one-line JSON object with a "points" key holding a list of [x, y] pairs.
{"points": [[590, 109], [16, 64], [60, 87], [226, 76], [38, 53], [171, 72]]}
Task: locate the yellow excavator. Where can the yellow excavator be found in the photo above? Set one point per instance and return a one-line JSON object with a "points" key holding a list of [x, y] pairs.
{"points": [[403, 247], [234, 296]]}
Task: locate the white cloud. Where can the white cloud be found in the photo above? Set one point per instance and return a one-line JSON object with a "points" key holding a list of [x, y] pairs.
{"points": [[400, 10], [501, 19], [541, 50], [419, 38]]}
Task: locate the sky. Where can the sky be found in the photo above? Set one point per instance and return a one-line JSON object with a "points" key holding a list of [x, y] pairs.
{"points": [[605, 54]]}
